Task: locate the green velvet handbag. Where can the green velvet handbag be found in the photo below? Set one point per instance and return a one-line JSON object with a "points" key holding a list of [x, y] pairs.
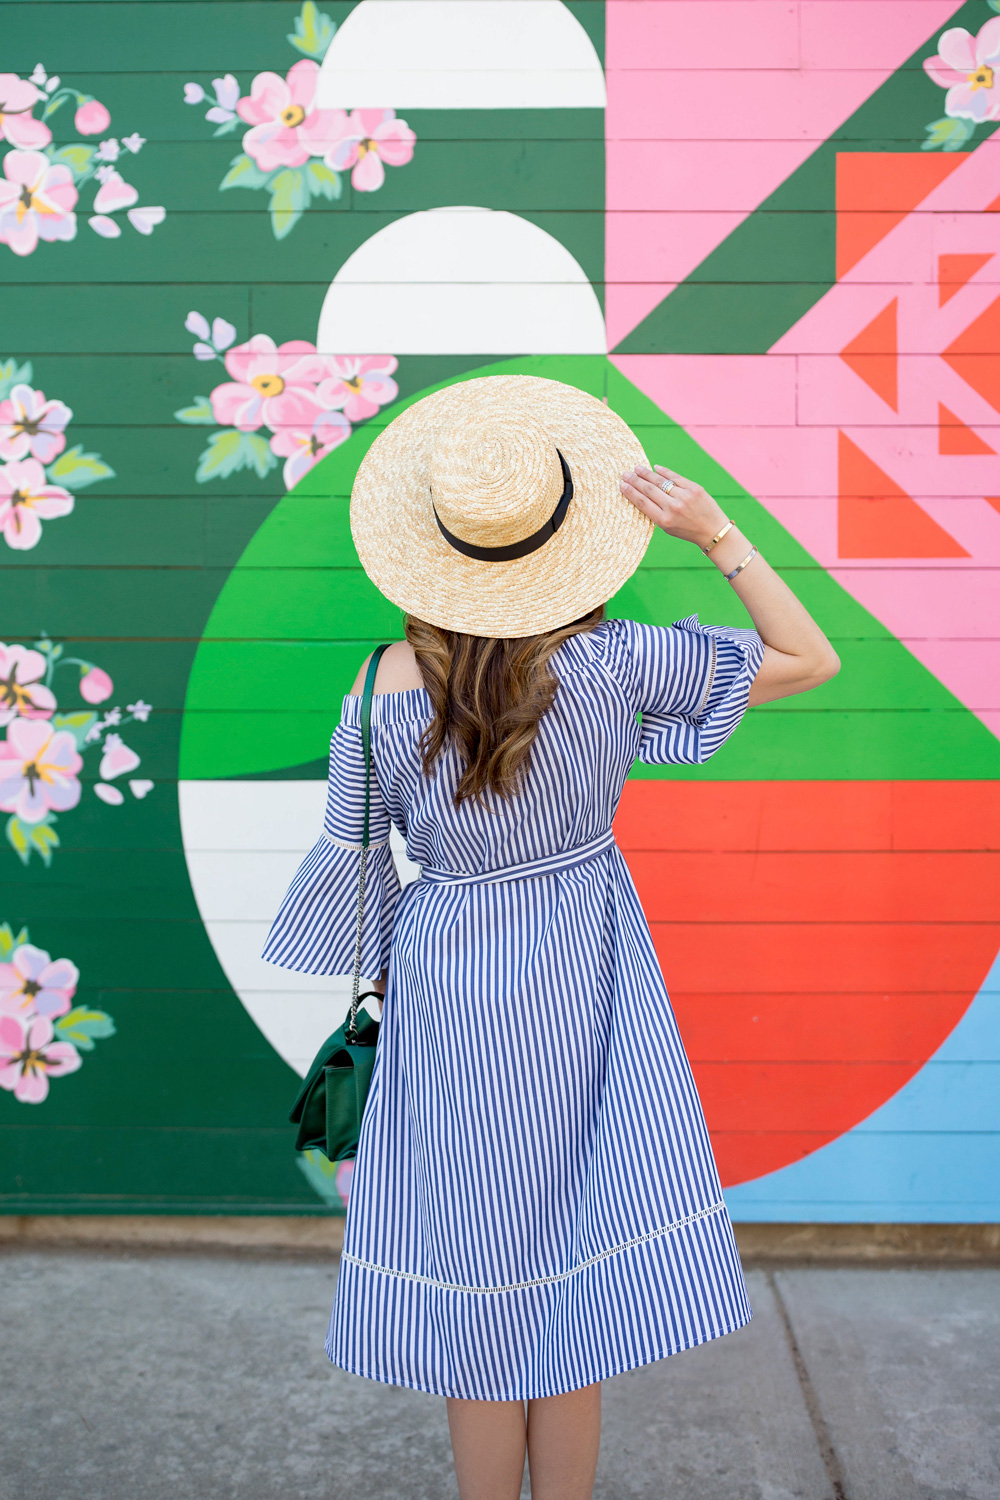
{"points": [[331, 1101]]}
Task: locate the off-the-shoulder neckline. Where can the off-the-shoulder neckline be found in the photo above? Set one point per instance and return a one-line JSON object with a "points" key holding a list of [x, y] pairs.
{"points": [[399, 693], [572, 641], [389, 708]]}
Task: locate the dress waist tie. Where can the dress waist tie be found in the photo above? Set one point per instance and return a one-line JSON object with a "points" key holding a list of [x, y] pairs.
{"points": [[530, 869]]}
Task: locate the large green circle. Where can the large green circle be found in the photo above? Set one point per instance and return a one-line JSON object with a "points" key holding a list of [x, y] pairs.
{"points": [[298, 615]]}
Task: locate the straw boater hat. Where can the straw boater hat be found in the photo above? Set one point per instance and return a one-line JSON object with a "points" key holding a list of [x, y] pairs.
{"points": [[493, 507]]}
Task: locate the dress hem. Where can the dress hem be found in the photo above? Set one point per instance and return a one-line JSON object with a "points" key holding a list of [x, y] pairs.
{"points": [[525, 1286], [635, 1364]]}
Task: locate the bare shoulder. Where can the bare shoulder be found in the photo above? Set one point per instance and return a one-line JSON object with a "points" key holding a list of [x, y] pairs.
{"points": [[397, 671]]}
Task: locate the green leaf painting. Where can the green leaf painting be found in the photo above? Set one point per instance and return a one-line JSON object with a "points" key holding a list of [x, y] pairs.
{"points": [[11, 374], [313, 32], [8, 942], [18, 839], [245, 173], [289, 196], [83, 1027], [28, 838], [75, 469], [223, 456], [229, 452], [199, 413], [290, 187], [43, 838], [258, 455], [323, 181], [78, 724], [323, 1177], [79, 159], [948, 134]]}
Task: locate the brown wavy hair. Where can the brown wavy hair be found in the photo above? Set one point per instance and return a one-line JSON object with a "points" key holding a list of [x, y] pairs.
{"points": [[489, 696]]}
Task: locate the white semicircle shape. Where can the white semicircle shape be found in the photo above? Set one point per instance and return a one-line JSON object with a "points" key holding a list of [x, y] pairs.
{"points": [[461, 54], [461, 280], [244, 841]]}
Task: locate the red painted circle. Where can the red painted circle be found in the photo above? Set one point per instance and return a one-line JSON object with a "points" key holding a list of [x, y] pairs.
{"points": [[819, 941]]}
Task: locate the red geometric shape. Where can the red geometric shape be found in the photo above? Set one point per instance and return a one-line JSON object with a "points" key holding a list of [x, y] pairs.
{"points": [[876, 189], [872, 355], [993, 500], [954, 437], [819, 941], [955, 270], [875, 518], [974, 354]]}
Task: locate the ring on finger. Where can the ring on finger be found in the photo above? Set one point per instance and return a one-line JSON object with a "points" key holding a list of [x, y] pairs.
{"points": [[667, 485]]}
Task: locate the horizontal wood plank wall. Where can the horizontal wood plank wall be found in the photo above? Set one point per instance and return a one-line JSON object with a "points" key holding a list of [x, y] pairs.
{"points": [[720, 215]]}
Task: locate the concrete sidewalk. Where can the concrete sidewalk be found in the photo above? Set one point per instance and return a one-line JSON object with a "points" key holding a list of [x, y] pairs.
{"points": [[144, 1376]]}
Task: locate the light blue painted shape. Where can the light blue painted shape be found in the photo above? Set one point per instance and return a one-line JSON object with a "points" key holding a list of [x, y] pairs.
{"points": [[929, 1155]]}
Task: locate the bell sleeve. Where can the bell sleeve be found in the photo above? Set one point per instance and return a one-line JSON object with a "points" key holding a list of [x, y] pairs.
{"points": [[691, 685], [315, 931]]}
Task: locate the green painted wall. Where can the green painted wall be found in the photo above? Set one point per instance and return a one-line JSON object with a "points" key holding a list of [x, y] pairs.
{"points": [[181, 607]]}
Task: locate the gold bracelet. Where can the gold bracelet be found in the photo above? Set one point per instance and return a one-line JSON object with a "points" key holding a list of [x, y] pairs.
{"points": [[718, 538], [740, 566]]}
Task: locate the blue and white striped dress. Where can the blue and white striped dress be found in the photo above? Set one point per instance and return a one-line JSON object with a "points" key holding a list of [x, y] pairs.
{"points": [[535, 1205]]}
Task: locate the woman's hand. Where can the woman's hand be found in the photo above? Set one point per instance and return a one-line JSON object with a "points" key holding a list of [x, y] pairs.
{"points": [[797, 655], [685, 510]]}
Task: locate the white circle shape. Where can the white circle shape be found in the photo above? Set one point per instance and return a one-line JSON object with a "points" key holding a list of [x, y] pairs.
{"points": [[461, 280], [461, 54], [244, 841]]}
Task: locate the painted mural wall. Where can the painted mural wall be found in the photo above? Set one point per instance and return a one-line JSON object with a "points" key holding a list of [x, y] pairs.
{"points": [[235, 238]]}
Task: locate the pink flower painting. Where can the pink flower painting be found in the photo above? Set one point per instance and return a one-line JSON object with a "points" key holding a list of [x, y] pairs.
{"points": [[32, 984], [30, 1056], [41, 1036], [37, 199], [303, 447], [17, 124], [91, 117], [114, 193], [358, 385], [118, 758], [95, 685], [368, 138], [307, 399], [293, 150], [969, 68], [26, 499], [286, 130], [22, 692], [38, 770], [42, 755], [32, 426], [272, 386]]}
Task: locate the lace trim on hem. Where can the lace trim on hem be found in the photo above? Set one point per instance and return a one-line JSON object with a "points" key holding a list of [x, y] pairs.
{"points": [[354, 848], [711, 679], [523, 1286]]}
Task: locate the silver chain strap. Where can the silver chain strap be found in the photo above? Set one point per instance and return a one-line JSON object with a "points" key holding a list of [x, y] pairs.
{"points": [[351, 1030]]}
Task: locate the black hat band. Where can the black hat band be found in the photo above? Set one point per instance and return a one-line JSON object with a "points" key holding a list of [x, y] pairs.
{"points": [[527, 544]]}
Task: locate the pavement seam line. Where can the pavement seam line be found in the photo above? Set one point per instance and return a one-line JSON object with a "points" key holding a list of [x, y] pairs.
{"points": [[824, 1441]]}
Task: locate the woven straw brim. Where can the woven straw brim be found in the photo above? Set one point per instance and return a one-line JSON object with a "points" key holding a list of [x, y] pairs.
{"points": [[599, 545]]}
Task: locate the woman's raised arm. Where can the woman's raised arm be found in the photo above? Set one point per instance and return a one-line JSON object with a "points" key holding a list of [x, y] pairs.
{"points": [[797, 655]]}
